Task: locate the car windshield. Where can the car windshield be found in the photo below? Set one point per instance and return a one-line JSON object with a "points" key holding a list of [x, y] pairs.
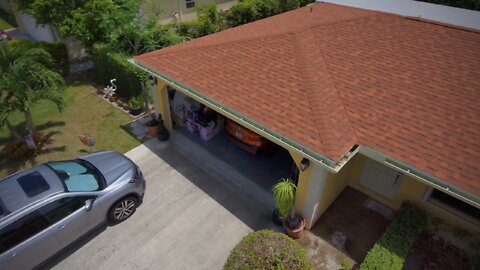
{"points": [[76, 176]]}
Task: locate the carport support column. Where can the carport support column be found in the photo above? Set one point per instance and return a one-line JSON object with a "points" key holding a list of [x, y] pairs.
{"points": [[162, 103], [309, 193], [310, 187]]}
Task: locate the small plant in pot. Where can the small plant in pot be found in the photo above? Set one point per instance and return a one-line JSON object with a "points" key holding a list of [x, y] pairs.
{"points": [[162, 134], [136, 105], [284, 196], [152, 126]]}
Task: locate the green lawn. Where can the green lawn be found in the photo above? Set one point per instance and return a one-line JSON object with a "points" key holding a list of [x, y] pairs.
{"points": [[4, 25], [85, 113]]}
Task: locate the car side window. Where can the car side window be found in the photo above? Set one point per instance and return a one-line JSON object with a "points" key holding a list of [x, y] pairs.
{"points": [[21, 230], [36, 221], [60, 209]]}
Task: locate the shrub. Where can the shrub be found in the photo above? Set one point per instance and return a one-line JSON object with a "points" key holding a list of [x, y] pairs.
{"points": [[267, 250], [242, 13], [58, 51], [252, 10], [393, 246], [195, 29], [109, 65], [18, 150], [209, 21]]}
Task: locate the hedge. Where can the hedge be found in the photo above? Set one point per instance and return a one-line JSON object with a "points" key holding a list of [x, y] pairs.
{"points": [[58, 51], [252, 10], [394, 245], [109, 65], [266, 249]]}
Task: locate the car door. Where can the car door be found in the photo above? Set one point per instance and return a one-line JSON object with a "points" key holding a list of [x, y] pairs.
{"points": [[67, 216], [27, 242]]}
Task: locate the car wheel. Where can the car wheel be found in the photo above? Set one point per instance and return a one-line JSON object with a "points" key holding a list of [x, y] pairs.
{"points": [[123, 209]]}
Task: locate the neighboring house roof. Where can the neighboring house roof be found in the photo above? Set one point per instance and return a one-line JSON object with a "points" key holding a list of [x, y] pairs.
{"points": [[440, 13], [329, 77]]}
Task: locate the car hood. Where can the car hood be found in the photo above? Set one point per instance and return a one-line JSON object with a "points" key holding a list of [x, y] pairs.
{"points": [[112, 165]]}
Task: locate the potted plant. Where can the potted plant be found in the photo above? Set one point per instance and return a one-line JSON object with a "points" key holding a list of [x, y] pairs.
{"points": [[136, 105], [284, 196], [162, 133], [152, 126]]}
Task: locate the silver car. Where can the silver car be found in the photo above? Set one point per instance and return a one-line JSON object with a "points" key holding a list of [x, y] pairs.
{"points": [[46, 208]]}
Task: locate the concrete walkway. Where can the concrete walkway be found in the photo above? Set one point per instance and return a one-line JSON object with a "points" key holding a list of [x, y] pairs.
{"points": [[191, 218]]}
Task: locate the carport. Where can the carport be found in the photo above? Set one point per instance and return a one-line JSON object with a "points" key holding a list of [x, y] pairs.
{"points": [[262, 168]]}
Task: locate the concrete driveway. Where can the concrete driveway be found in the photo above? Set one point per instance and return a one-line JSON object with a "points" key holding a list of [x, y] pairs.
{"points": [[191, 218]]}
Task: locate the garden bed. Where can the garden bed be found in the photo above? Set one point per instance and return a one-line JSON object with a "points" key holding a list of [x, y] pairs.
{"points": [[394, 245]]}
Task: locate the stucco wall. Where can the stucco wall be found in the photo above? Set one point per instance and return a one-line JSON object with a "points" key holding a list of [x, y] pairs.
{"points": [[170, 6], [162, 104], [410, 189], [328, 189]]}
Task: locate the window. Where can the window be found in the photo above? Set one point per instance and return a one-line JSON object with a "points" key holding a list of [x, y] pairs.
{"points": [[455, 203], [190, 3], [33, 184], [35, 222], [76, 176], [60, 209], [21, 230]]}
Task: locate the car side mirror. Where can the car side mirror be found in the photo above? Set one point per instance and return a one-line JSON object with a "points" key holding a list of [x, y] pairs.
{"points": [[88, 204]]}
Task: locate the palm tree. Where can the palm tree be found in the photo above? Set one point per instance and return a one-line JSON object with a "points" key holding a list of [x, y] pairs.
{"points": [[26, 78]]}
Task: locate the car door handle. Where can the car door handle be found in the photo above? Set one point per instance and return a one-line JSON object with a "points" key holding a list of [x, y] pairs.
{"points": [[12, 255], [61, 226]]}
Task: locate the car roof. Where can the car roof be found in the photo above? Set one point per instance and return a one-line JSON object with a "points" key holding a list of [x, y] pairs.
{"points": [[27, 187]]}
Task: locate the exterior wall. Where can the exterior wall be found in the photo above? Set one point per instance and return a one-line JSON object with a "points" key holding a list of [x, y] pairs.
{"points": [[317, 189], [303, 183], [29, 26], [162, 105], [171, 6], [411, 190], [335, 184], [408, 188]]}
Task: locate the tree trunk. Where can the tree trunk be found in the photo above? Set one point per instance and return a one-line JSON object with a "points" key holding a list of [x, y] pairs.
{"points": [[29, 123], [14, 132]]}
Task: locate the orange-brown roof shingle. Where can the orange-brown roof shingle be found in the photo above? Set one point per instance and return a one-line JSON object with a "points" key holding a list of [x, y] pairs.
{"points": [[329, 77]]}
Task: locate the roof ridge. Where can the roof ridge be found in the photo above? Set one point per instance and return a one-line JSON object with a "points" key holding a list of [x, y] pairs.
{"points": [[329, 93], [305, 68], [334, 82]]}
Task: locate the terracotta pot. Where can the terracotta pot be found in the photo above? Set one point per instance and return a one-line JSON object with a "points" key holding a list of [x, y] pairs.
{"points": [[112, 98], [152, 130], [295, 232]]}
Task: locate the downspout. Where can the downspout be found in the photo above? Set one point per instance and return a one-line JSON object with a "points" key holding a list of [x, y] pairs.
{"points": [[323, 161]]}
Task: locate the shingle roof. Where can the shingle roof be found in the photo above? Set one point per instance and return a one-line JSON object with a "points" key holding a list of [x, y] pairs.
{"points": [[330, 76]]}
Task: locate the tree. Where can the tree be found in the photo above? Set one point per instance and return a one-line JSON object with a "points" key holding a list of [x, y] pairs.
{"points": [[90, 21], [26, 78]]}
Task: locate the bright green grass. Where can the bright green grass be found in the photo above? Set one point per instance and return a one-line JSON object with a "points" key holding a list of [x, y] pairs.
{"points": [[85, 113]]}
